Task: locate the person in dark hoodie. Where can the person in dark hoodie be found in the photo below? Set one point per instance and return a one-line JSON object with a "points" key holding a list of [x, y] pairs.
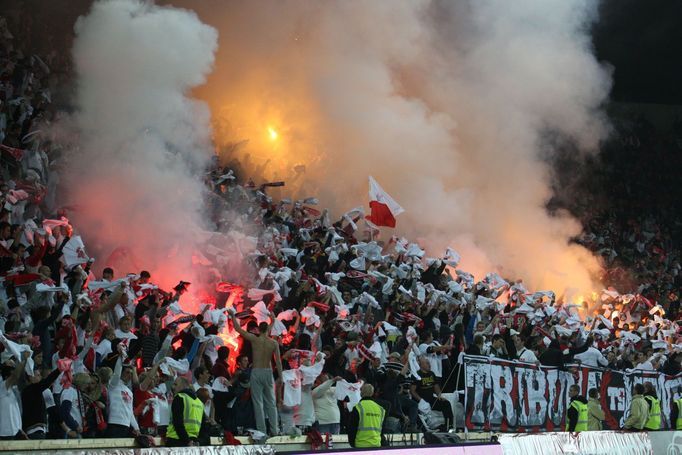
{"points": [[553, 356], [34, 417], [187, 416], [577, 413]]}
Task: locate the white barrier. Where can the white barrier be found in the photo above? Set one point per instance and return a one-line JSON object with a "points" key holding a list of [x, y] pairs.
{"points": [[587, 443]]}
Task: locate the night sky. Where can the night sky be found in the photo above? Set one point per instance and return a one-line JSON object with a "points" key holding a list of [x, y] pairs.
{"points": [[642, 39]]}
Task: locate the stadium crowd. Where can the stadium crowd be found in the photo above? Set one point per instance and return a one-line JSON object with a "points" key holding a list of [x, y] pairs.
{"points": [[323, 310]]}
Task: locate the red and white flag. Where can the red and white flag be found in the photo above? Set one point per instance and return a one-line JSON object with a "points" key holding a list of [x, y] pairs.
{"points": [[384, 207]]}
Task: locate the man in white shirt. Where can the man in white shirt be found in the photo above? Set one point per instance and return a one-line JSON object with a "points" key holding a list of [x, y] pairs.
{"points": [[592, 357], [643, 362], [523, 353], [10, 416], [122, 422], [434, 353], [202, 377]]}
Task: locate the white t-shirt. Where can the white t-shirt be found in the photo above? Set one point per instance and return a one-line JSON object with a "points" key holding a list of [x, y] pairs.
{"points": [[71, 394], [207, 405], [592, 358], [526, 355], [162, 406], [48, 398], [292, 387], [103, 348], [435, 359], [121, 405], [10, 417]]}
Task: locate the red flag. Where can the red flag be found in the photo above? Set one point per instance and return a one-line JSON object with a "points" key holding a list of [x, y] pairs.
{"points": [[384, 207]]}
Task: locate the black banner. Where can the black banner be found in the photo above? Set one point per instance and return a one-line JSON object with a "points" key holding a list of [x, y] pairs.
{"points": [[520, 397]]}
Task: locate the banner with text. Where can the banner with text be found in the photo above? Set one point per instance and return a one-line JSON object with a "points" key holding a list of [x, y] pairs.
{"points": [[513, 396]]}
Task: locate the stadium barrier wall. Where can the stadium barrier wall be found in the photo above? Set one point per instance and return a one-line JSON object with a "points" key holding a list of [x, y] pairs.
{"points": [[587, 443], [591, 442]]}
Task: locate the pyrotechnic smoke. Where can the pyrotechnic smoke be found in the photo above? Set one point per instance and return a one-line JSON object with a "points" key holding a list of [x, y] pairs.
{"points": [[143, 142], [445, 103]]}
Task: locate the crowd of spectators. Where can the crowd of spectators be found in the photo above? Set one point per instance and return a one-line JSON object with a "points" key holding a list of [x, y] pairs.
{"points": [[323, 308]]}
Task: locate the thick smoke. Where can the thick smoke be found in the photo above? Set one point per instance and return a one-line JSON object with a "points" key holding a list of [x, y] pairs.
{"points": [[445, 103], [136, 175]]}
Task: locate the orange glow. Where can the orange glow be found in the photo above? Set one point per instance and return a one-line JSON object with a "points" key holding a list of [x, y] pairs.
{"points": [[272, 134], [234, 342]]}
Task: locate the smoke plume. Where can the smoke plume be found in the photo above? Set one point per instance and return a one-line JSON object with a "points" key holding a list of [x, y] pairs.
{"points": [[447, 104], [143, 143]]}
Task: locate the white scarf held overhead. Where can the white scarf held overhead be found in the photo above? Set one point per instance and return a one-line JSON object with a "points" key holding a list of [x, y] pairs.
{"points": [[351, 390]]}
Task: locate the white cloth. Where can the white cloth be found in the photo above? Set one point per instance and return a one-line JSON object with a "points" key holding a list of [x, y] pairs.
{"points": [[592, 358], [170, 366], [17, 350], [310, 373], [292, 387], [10, 417], [350, 390], [646, 366], [435, 359], [162, 405]]}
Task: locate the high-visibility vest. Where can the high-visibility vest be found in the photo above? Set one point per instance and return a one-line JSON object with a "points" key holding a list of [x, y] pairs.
{"points": [[581, 408], [192, 414], [369, 425], [678, 422], [654, 420]]}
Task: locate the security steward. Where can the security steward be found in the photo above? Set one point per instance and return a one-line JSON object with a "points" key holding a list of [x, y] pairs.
{"points": [[676, 413], [187, 414], [366, 421], [577, 413], [654, 420]]}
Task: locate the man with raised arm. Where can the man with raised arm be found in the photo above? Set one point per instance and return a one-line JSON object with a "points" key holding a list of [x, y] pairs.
{"points": [[262, 381]]}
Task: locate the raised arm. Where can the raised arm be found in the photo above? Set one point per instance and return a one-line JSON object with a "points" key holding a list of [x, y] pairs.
{"points": [[116, 377], [238, 328], [149, 378], [13, 379]]}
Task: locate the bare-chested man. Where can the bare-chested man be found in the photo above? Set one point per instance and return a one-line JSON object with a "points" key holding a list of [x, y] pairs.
{"points": [[262, 382]]}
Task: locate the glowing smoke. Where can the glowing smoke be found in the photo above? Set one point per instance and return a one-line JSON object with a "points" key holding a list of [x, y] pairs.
{"points": [[445, 103], [143, 143]]}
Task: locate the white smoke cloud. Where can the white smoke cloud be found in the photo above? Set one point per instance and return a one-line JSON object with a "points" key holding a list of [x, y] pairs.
{"points": [[143, 141], [445, 103]]}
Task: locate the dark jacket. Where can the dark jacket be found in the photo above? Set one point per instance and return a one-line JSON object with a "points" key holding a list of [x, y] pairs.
{"points": [[33, 403], [473, 350], [554, 357]]}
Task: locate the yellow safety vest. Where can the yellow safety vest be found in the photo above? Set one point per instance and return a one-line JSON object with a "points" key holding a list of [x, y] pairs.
{"points": [[193, 413], [654, 420], [581, 407], [678, 422], [369, 426]]}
